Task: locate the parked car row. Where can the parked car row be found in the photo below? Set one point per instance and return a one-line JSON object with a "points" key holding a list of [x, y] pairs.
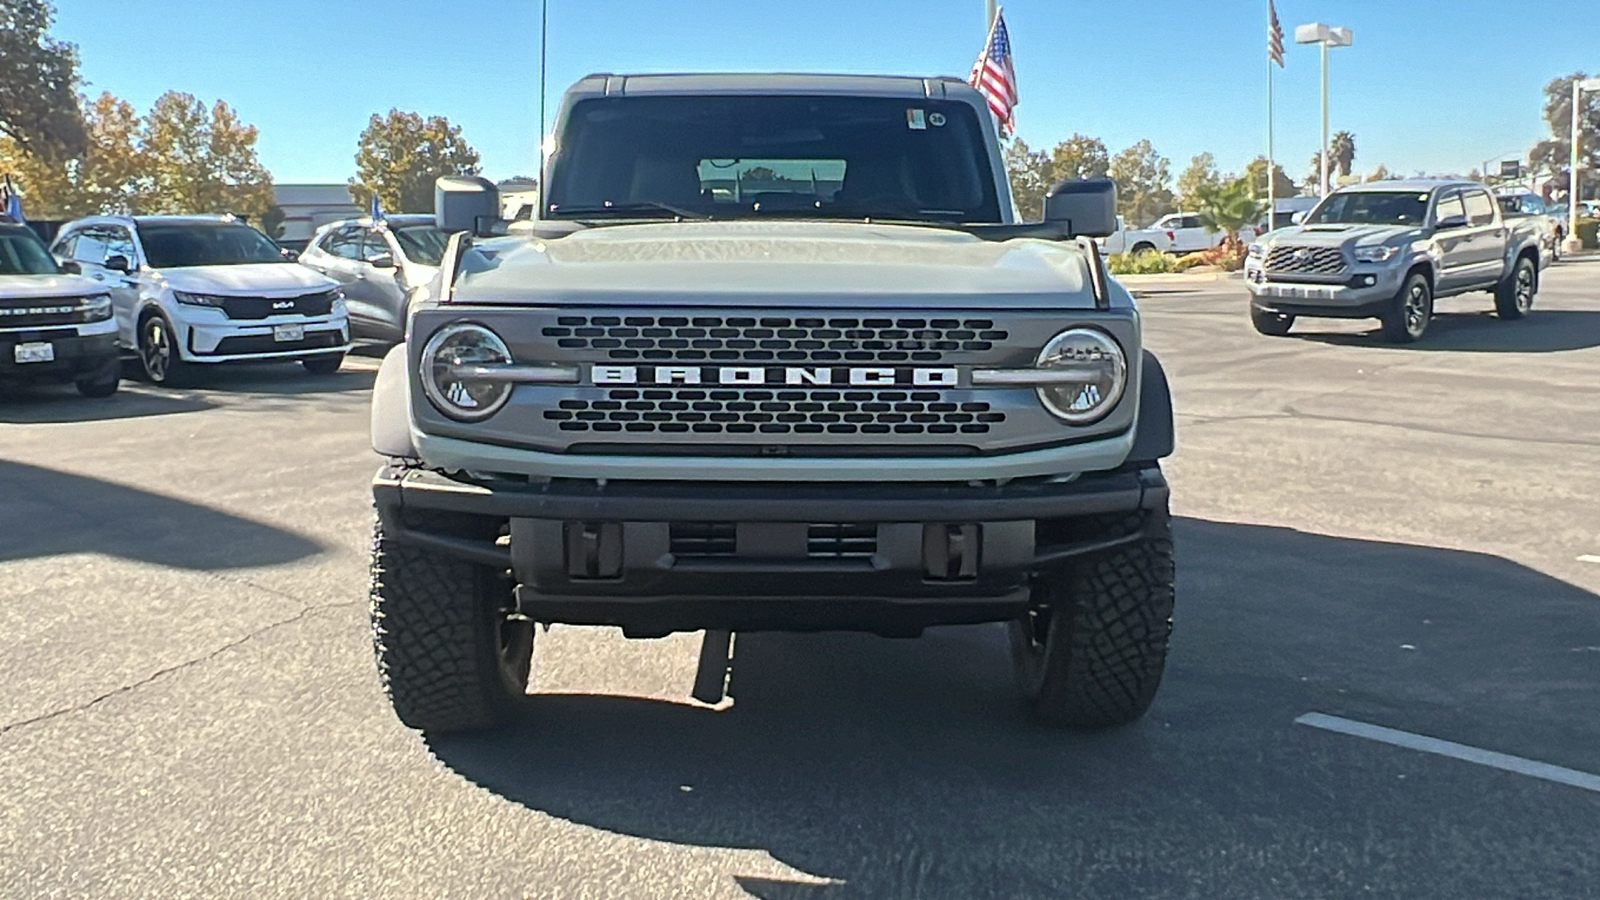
{"points": [[173, 294], [1178, 232]]}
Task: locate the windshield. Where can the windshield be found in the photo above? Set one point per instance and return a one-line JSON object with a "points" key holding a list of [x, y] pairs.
{"points": [[1372, 208], [222, 244], [422, 244], [798, 157], [22, 253]]}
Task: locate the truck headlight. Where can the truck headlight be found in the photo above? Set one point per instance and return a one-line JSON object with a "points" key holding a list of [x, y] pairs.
{"points": [[464, 344], [1094, 370], [1375, 254], [97, 308], [1256, 250]]}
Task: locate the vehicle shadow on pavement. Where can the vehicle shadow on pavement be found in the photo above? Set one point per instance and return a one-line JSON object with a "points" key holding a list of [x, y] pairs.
{"points": [[58, 404], [44, 512], [905, 768], [1542, 331], [285, 379]]}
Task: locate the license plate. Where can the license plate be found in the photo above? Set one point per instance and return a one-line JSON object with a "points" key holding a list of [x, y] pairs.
{"points": [[36, 352], [283, 333], [1300, 293]]}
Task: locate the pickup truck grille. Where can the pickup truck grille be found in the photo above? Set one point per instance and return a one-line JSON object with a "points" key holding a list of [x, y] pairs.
{"points": [[1305, 260], [319, 304], [773, 339], [798, 411], [45, 312]]}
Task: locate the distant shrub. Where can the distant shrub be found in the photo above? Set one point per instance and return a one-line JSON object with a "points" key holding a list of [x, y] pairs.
{"points": [[1147, 263]]}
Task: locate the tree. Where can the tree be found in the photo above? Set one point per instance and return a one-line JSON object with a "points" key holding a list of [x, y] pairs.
{"points": [[1283, 185], [1554, 154], [1079, 156], [400, 155], [1031, 173], [110, 175], [1201, 174], [1381, 173], [38, 84], [1228, 207], [1342, 150], [271, 223], [202, 161], [1143, 180], [1314, 179]]}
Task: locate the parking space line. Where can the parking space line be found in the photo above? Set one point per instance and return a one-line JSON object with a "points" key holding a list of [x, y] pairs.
{"points": [[1507, 762], [1589, 558]]}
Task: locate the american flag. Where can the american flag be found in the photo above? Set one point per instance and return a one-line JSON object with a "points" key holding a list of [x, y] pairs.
{"points": [[1274, 35], [994, 76]]}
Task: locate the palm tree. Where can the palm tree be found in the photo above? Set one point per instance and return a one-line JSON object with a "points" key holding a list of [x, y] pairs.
{"points": [[1342, 149], [1228, 208]]}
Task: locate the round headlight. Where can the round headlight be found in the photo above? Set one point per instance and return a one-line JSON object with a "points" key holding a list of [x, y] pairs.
{"points": [[464, 344], [1098, 371]]}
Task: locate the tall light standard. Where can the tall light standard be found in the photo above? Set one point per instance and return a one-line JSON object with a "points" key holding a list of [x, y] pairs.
{"points": [[1327, 36], [1592, 85]]}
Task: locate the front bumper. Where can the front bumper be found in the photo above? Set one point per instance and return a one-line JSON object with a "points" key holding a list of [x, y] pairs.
{"points": [[227, 340], [1350, 297], [635, 554], [76, 355]]}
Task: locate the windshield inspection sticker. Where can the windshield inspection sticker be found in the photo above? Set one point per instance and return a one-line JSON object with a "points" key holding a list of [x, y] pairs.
{"points": [[936, 119], [917, 119]]}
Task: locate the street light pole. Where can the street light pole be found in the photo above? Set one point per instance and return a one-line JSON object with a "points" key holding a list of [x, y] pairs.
{"points": [[1572, 244], [1322, 185], [1327, 36]]}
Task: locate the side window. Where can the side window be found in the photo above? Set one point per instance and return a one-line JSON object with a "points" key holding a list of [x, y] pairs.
{"points": [[1190, 222], [325, 243], [346, 243], [120, 243], [91, 246], [1480, 209], [64, 245], [1449, 206], [1532, 205], [376, 245]]}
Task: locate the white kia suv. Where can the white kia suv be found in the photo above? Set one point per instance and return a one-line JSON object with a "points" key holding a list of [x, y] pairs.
{"points": [[194, 290]]}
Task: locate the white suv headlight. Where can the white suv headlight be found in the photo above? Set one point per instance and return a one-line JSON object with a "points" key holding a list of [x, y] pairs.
{"points": [[188, 299], [1098, 371], [464, 344]]}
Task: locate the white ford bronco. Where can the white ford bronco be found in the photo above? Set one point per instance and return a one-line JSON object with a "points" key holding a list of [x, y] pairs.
{"points": [[776, 355]]}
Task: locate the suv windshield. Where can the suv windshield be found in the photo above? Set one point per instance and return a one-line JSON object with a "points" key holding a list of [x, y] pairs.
{"points": [[1372, 208], [22, 253], [223, 244], [422, 244], [797, 157]]}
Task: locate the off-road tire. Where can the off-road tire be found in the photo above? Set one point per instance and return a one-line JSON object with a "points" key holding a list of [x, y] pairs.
{"points": [[327, 364], [1091, 651], [437, 633], [1272, 324], [103, 383], [1513, 297], [1409, 313]]}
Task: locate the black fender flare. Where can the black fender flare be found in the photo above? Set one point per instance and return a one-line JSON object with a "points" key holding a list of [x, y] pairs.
{"points": [[1154, 434]]}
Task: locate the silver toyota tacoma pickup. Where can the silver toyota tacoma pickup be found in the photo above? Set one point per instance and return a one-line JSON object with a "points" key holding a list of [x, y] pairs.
{"points": [[1387, 250], [776, 356]]}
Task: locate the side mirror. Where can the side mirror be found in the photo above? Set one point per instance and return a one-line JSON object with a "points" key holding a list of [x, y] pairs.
{"points": [[381, 261], [1083, 207], [1451, 222], [288, 254], [70, 267], [119, 263], [1297, 218], [465, 203]]}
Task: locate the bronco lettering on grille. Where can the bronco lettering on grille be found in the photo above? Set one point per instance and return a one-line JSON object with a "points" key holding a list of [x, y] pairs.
{"points": [[863, 376]]}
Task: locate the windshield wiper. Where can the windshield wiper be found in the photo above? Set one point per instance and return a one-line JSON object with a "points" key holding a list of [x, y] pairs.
{"points": [[624, 209]]}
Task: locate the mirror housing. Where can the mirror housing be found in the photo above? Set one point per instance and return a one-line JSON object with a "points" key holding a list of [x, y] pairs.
{"points": [[1297, 218], [465, 203], [381, 261], [119, 263], [1083, 207], [1451, 222], [288, 254], [69, 267]]}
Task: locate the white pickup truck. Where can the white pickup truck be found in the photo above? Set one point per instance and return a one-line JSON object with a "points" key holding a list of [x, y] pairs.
{"points": [[1137, 240]]}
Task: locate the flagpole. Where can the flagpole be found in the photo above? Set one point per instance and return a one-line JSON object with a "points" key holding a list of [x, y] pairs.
{"points": [[1272, 187]]}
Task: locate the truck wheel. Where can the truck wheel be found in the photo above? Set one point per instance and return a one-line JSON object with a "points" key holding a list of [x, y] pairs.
{"points": [[1273, 324], [1409, 313], [323, 365], [158, 352], [102, 383], [1514, 295], [1143, 247], [451, 654], [1092, 648]]}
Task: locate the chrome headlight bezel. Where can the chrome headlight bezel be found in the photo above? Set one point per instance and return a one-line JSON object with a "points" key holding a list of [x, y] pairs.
{"points": [[433, 366], [1092, 399]]}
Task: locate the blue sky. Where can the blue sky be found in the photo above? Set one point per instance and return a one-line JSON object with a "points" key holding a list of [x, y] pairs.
{"points": [[1436, 85]]}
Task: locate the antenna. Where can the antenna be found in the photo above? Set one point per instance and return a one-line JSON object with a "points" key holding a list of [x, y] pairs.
{"points": [[544, 29]]}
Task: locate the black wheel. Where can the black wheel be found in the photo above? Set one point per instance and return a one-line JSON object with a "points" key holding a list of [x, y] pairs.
{"points": [[451, 652], [1409, 313], [1514, 296], [323, 365], [101, 383], [158, 352], [1143, 247], [1273, 324], [1092, 648]]}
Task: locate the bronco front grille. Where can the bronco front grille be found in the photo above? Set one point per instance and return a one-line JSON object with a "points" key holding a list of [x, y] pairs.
{"points": [[46, 312], [746, 411], [1305, 260], [774, 338]]}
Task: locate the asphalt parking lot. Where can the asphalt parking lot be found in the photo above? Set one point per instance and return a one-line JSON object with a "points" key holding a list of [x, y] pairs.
{"points": [[1393, 536]]}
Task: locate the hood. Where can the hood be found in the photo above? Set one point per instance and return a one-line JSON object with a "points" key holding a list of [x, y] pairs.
{"points": [[251, 279], [1342, 235], [776, 263], [24, 287]]}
